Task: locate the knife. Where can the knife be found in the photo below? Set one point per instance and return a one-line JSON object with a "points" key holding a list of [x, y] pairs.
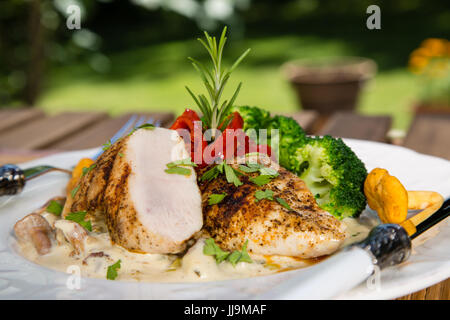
{"points": [[386, 245]]}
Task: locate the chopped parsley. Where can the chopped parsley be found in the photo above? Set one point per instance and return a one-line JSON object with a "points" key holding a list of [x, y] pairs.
{"points": [[111, 273], [263, 194], [54, 207], [177, 167], [86, 170], [183, 162], [106, 145], [231, 174], [240, 256], [120, 154], [216, 198], [146, 126], [179, 170], [212, 249], [283, 203], [78, 217], [74, 191], [261, 180]]}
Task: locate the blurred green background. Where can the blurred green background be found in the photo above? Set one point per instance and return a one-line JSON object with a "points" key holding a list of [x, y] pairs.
{"points": [[132, 55]]}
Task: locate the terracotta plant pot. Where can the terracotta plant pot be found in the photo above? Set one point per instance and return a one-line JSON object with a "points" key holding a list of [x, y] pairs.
{"points": [[329, 85]]}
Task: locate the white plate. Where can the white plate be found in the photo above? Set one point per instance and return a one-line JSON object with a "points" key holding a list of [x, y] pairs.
{"points": [[429, 263]]}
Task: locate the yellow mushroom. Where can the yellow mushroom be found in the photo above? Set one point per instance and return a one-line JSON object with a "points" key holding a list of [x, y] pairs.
{"points": [[388, 197]]}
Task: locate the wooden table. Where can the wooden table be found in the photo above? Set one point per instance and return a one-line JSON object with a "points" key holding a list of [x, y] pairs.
{"points": [[26, 134]]}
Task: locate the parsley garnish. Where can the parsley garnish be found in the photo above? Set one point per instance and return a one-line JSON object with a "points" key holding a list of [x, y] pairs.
{"points": [[146, 126], [184, 162], [212, 249], [216, 198], [176, 167], [111, 274], [54, 207], [78, 217], [283, 203], [106, 145], [74, 191], [261, 180], [230, 174], [263, 194], [240, 256], [86, 170], [179, 170], [120, 154]]}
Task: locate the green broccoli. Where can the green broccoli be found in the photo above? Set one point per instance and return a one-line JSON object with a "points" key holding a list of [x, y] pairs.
{"points": [[330, 169], [333, 173]]}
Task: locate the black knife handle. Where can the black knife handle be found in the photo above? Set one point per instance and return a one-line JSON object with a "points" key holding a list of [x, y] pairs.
{"points": [[12, 180], [389, 244]]}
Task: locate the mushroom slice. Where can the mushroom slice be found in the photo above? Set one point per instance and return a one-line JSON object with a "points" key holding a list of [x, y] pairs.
{"points": [[35, 229], [74, 233]]}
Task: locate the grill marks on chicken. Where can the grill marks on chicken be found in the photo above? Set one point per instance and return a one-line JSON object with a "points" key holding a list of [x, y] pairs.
{"points": [[145, 208], [305, 231]]}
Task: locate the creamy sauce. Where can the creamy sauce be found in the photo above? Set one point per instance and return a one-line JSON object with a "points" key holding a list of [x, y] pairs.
{"points": [[99, 253]]}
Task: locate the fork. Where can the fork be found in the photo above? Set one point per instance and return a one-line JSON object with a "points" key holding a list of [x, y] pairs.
{"points": [[13, 178]]}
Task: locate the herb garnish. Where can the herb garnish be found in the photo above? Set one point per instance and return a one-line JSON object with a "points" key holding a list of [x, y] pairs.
{"points": [[78, 217], [216, 198], [54, 207], [177, 167], [231, 174], [111, 274], [215, 111], [179, 170], [74, 191], [263, 194], [261, 180], [283, 203], [86, 170], [212, 249], [147, 126], [106, 145]]}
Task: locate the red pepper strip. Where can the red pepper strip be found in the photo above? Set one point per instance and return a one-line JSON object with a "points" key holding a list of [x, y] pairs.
{"points": [[190, 121]]}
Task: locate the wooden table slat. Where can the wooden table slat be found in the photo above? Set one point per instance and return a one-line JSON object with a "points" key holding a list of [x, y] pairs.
{"points": [[430, 134], [102, 131], [12, 118], [356, 126], [43, 132]]}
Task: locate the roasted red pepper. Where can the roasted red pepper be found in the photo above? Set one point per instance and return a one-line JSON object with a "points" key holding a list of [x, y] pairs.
{"points": [[190, 121], [231, 143]]}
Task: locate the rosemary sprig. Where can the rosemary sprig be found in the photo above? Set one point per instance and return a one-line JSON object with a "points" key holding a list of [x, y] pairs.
{"points": [[213, 109]]}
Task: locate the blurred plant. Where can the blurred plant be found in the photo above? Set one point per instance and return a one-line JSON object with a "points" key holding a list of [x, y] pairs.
{"points": [[431, 62]]}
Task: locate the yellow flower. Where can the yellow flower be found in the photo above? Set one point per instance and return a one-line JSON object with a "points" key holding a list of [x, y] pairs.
{"points": [[436, 47]]}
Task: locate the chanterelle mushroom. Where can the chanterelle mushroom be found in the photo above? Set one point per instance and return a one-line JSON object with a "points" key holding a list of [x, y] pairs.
{"points": [[34, 228]]}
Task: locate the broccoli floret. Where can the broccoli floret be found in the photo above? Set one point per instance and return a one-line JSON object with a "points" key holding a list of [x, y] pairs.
{"points": [[289, 134], [254, 117], [333, 173]]}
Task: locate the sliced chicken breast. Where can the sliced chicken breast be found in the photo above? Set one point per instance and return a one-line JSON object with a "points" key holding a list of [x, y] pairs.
{"points": [[145, 208], [306, 231]]}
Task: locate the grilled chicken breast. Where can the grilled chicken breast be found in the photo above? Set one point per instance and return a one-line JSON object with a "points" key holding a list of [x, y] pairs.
{"points": [[145, 208], [306, 231]]}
